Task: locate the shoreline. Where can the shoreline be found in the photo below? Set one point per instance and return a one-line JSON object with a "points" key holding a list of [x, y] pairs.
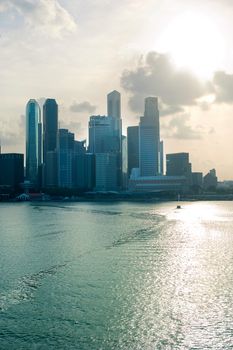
{"points": [[125, 198]]}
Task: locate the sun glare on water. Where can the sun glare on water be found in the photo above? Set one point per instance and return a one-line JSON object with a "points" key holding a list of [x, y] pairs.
{"points": [[195, 43]]}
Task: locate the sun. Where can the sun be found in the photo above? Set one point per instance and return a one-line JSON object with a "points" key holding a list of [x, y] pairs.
{"points": [[194, 42]]}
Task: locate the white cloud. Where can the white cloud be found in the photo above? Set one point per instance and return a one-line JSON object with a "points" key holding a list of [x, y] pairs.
{"points": [[82, 107], [156, 75], [180, 127], [47, 16]]}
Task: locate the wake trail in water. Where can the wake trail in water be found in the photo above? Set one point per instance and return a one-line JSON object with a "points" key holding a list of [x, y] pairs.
{"points": [[26, 286]]}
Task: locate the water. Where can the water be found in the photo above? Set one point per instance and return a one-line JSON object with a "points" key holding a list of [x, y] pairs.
{"points": [[128, 276]]}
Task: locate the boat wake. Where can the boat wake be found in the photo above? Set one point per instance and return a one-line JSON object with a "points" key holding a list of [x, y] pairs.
{"points": [[26, 287]]}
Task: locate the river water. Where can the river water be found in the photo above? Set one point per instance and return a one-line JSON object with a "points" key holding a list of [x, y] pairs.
{"points": [[129, 276]]}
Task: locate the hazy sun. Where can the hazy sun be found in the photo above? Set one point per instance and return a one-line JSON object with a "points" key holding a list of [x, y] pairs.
{"points": [[194, 42]]}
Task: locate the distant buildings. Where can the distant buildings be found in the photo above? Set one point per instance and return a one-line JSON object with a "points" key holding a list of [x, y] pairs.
{"points": [[110, 162]]}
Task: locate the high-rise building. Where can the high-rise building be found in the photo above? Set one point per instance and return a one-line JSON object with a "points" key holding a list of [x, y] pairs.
{"points": [[11, 171], [197, 181], [114, 104], [106, 172], [105, 135], [124, 158], [33, 141], [177, 164], [161, 157], [133, 148], [100, 134], [65, 154], [114, 112], [149, 139], [40, 148], [210, 180], [50, 130], [84, 171]]}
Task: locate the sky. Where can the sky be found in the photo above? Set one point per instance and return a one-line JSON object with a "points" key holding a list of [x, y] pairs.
{"points": [[77, 51]]}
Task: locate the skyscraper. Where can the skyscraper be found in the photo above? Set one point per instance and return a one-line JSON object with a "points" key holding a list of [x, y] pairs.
{"points": [[149, 139], [161, 158], [33, 141], [100, 134], [105, 170], [114, 104], [133, 148], [177, 164], [50, 130], [65, 158], [114, 112], [11, 171]]}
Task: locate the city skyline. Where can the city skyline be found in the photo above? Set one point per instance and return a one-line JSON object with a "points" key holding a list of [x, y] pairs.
{"points": [[58, 49]]}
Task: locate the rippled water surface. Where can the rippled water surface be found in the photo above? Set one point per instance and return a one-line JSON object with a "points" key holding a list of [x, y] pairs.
{"points": [[128, 276]]}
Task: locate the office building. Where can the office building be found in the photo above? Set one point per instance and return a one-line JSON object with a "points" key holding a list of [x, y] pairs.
{"points": [[11, 171], [114, 112], [105, 133], [197, 181], [132, 148], [210, 180], [177, 164], [65, 154], [161, 158], [100, 135], [50, 130], [84, 171], [149, 139], [124, 153], [106, 172], [33, 141], [158, 183], [114, 104]]}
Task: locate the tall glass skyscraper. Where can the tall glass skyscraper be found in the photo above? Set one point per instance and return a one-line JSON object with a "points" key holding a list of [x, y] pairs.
{"points": [[114, 113], [32, 140], [114, 104], [50, 135], [149, 139]]}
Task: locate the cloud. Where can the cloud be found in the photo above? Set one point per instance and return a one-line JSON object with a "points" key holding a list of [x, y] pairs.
{"points": [[9, 137], [3, 6], [46, 15], [72, 126], [82, 107], [155, 75], [223, 84], [179, 128]]}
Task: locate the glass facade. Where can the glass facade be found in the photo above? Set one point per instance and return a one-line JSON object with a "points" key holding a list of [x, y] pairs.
{"points": [[32, 140]]}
